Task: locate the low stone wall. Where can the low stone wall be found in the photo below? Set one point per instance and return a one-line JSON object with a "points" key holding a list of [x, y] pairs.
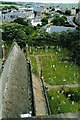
{"points": [[0, 51], [14, 85], [65, 116]]}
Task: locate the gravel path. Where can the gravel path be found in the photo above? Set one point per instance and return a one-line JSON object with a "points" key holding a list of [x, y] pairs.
{"points": [[39, 99], [59, 86], [43, 55], [38, 65]]}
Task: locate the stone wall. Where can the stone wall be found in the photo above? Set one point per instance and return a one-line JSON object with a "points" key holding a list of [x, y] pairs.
{"points": [[0, 51], [14, 85]]}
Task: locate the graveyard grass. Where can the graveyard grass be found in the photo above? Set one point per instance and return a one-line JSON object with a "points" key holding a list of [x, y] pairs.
{"points": [[60, 104], [56, 71], [34, 65], [52, 51]]}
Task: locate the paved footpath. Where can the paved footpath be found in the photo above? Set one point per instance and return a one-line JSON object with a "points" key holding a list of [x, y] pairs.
{"points": [[40, 106], [38, 65], [59, 86]]}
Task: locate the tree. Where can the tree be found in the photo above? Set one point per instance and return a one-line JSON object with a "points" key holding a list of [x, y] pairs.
{"points": [[53, 9], [44, 21], [67, 12], [58, 21], [48, 15], [6, 9], [14, 7], [76, 21], [74, 95], [13, 31], [21, 21], [77, 10], [71, 41]]}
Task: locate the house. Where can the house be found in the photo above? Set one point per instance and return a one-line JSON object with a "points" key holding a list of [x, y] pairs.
{"points": [[22, 9], [73, 11], [51, 29], [37, 10], [36, 22], [78, 18], [56, 9]]}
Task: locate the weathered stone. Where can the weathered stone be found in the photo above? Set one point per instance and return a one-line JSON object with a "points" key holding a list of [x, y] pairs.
{"points": [[0, 51], [14, 80]]}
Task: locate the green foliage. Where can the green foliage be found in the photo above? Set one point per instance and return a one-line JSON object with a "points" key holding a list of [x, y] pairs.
{"points": [[44, 21], [53, 9], [74, 96], [71, 41], [59, 103], [59, 21], [76, 21], [1, 42], [11, 3], [38, 38], [13, 7], [21, 21], [8, 8], [34, 65], [58, 68], [68, 39], [18, 31], [48, 15], [58, 72], [14, 31], [24, 33], [77, 10], [67, 12]]}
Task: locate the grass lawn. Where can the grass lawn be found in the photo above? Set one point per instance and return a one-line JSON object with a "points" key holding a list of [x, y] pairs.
{"points": [[54, 51], [34, 65], [60, 104], [59, 72], [55, 70], [2, 5]]}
